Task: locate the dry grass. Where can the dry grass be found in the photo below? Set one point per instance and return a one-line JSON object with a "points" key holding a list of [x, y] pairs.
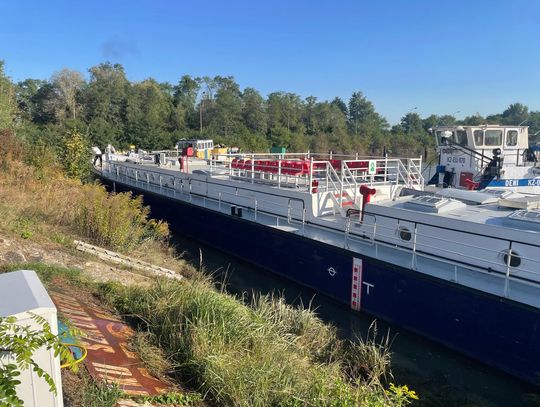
{"points": [[38, 201]]}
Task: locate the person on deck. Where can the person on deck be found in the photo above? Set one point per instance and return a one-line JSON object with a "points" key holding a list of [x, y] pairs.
{"points": [[97, 155]]}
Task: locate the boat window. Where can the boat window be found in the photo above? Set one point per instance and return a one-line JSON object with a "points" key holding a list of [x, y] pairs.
{"points": [[514, 261], [461, 137], [444, 134], [511, 138], [404, 233], [479, 137], [493, 137]]}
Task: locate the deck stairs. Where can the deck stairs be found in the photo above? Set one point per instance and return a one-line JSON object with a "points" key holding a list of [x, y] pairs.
{"points": [[343, 185]]}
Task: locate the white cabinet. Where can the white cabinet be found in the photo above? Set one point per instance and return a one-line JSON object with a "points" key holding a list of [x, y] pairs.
{"points": [[23, 294]]}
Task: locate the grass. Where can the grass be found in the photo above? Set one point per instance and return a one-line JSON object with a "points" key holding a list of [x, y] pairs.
{"points": [[97, 393], [154, 358], [35, 195], [266, 354], [49, 272]]}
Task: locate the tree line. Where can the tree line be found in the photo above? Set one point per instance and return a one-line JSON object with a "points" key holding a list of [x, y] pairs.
{"points": [[108, 108]]}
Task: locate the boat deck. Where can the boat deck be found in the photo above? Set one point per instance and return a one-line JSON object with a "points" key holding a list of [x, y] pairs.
{"points": [[465, 244]]}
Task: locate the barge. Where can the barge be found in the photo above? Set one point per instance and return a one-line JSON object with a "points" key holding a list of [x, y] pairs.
{"points": [[459, 267]]}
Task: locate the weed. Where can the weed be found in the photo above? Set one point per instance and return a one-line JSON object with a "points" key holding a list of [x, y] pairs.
{"points": [[153, 357], [97, 393], [173, 398], [47, 272], [24, 227]]}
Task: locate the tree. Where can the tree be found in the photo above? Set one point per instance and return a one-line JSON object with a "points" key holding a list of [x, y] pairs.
{"points": [[7, 100], [227, 113], [253, 111], [147, 116], [26, 94], [75, 155], [412, 124], [105, 101], [515, 114], [341, 105], [284, 110], [67, 86], [474, 120], [184, 101], [365, 124]]}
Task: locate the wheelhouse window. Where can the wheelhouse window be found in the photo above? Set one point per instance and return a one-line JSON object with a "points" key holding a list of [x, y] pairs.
{"points": [[461, 137], [446, 134], [493, 137], [511, 138], [479, 137]]}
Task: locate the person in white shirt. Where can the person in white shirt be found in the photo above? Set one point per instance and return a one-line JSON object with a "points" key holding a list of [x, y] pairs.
{"points": [[97, 155]]}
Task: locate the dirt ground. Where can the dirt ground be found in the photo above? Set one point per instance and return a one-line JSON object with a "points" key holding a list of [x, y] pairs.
{"points": [[14, 250]]}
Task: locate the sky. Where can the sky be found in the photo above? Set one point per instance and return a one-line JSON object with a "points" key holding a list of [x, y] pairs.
{"points": [[442, 57]]}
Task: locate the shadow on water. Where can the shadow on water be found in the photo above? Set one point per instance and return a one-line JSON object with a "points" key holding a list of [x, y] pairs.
{"points": [[441, 377]]}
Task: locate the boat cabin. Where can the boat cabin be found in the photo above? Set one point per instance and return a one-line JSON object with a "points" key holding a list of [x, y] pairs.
{"points": [[484, 138], [201, 148], [472, 155]]}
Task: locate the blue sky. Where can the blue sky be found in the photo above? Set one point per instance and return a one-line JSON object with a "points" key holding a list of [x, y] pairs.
{"points": [[440, 56]]}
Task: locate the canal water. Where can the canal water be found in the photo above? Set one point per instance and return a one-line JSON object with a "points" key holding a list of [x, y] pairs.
{"points": [[441, 377]]}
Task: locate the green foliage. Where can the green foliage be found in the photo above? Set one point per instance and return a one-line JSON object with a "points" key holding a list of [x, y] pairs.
{"points": [[75, 155], [269, 354], [172, 398], [153, 115], [98, 393], [7, 100], [402, 395], [117, 221], [24, 227], [18, 343]]}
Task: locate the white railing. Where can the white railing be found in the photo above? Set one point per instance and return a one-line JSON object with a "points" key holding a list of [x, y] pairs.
{"points": [[464, 254]]}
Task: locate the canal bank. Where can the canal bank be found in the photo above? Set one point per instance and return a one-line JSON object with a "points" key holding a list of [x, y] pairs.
{"points": [[441, 377]]}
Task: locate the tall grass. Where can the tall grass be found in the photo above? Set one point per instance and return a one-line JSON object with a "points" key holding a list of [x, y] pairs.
{"points": [[266, 354], [117, 221], [32, 185]]}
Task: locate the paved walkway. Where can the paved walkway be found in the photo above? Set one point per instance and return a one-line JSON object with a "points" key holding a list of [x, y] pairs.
{"points": [[106, 339]]}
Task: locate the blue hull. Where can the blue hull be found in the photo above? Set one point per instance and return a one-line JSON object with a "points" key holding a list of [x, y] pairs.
{"points": [[493, 330]]}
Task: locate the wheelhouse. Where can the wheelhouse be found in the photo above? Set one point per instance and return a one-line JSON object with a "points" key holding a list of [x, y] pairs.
{"points": [[202, 148]]}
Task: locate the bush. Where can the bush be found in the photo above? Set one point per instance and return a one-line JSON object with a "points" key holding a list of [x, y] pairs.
{"points": [[117, 221]]}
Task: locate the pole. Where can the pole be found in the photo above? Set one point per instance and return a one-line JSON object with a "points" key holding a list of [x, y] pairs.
{"points": [[200, 111], [200, 117]]}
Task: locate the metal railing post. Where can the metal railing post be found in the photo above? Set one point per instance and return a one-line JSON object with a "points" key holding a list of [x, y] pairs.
{"points": [[310, 175], [279, 173], [252, 168], [507, 276]]}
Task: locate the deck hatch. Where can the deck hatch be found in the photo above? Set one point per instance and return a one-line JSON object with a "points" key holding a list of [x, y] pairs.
{"points": [[528, 219], [433, 204]]}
